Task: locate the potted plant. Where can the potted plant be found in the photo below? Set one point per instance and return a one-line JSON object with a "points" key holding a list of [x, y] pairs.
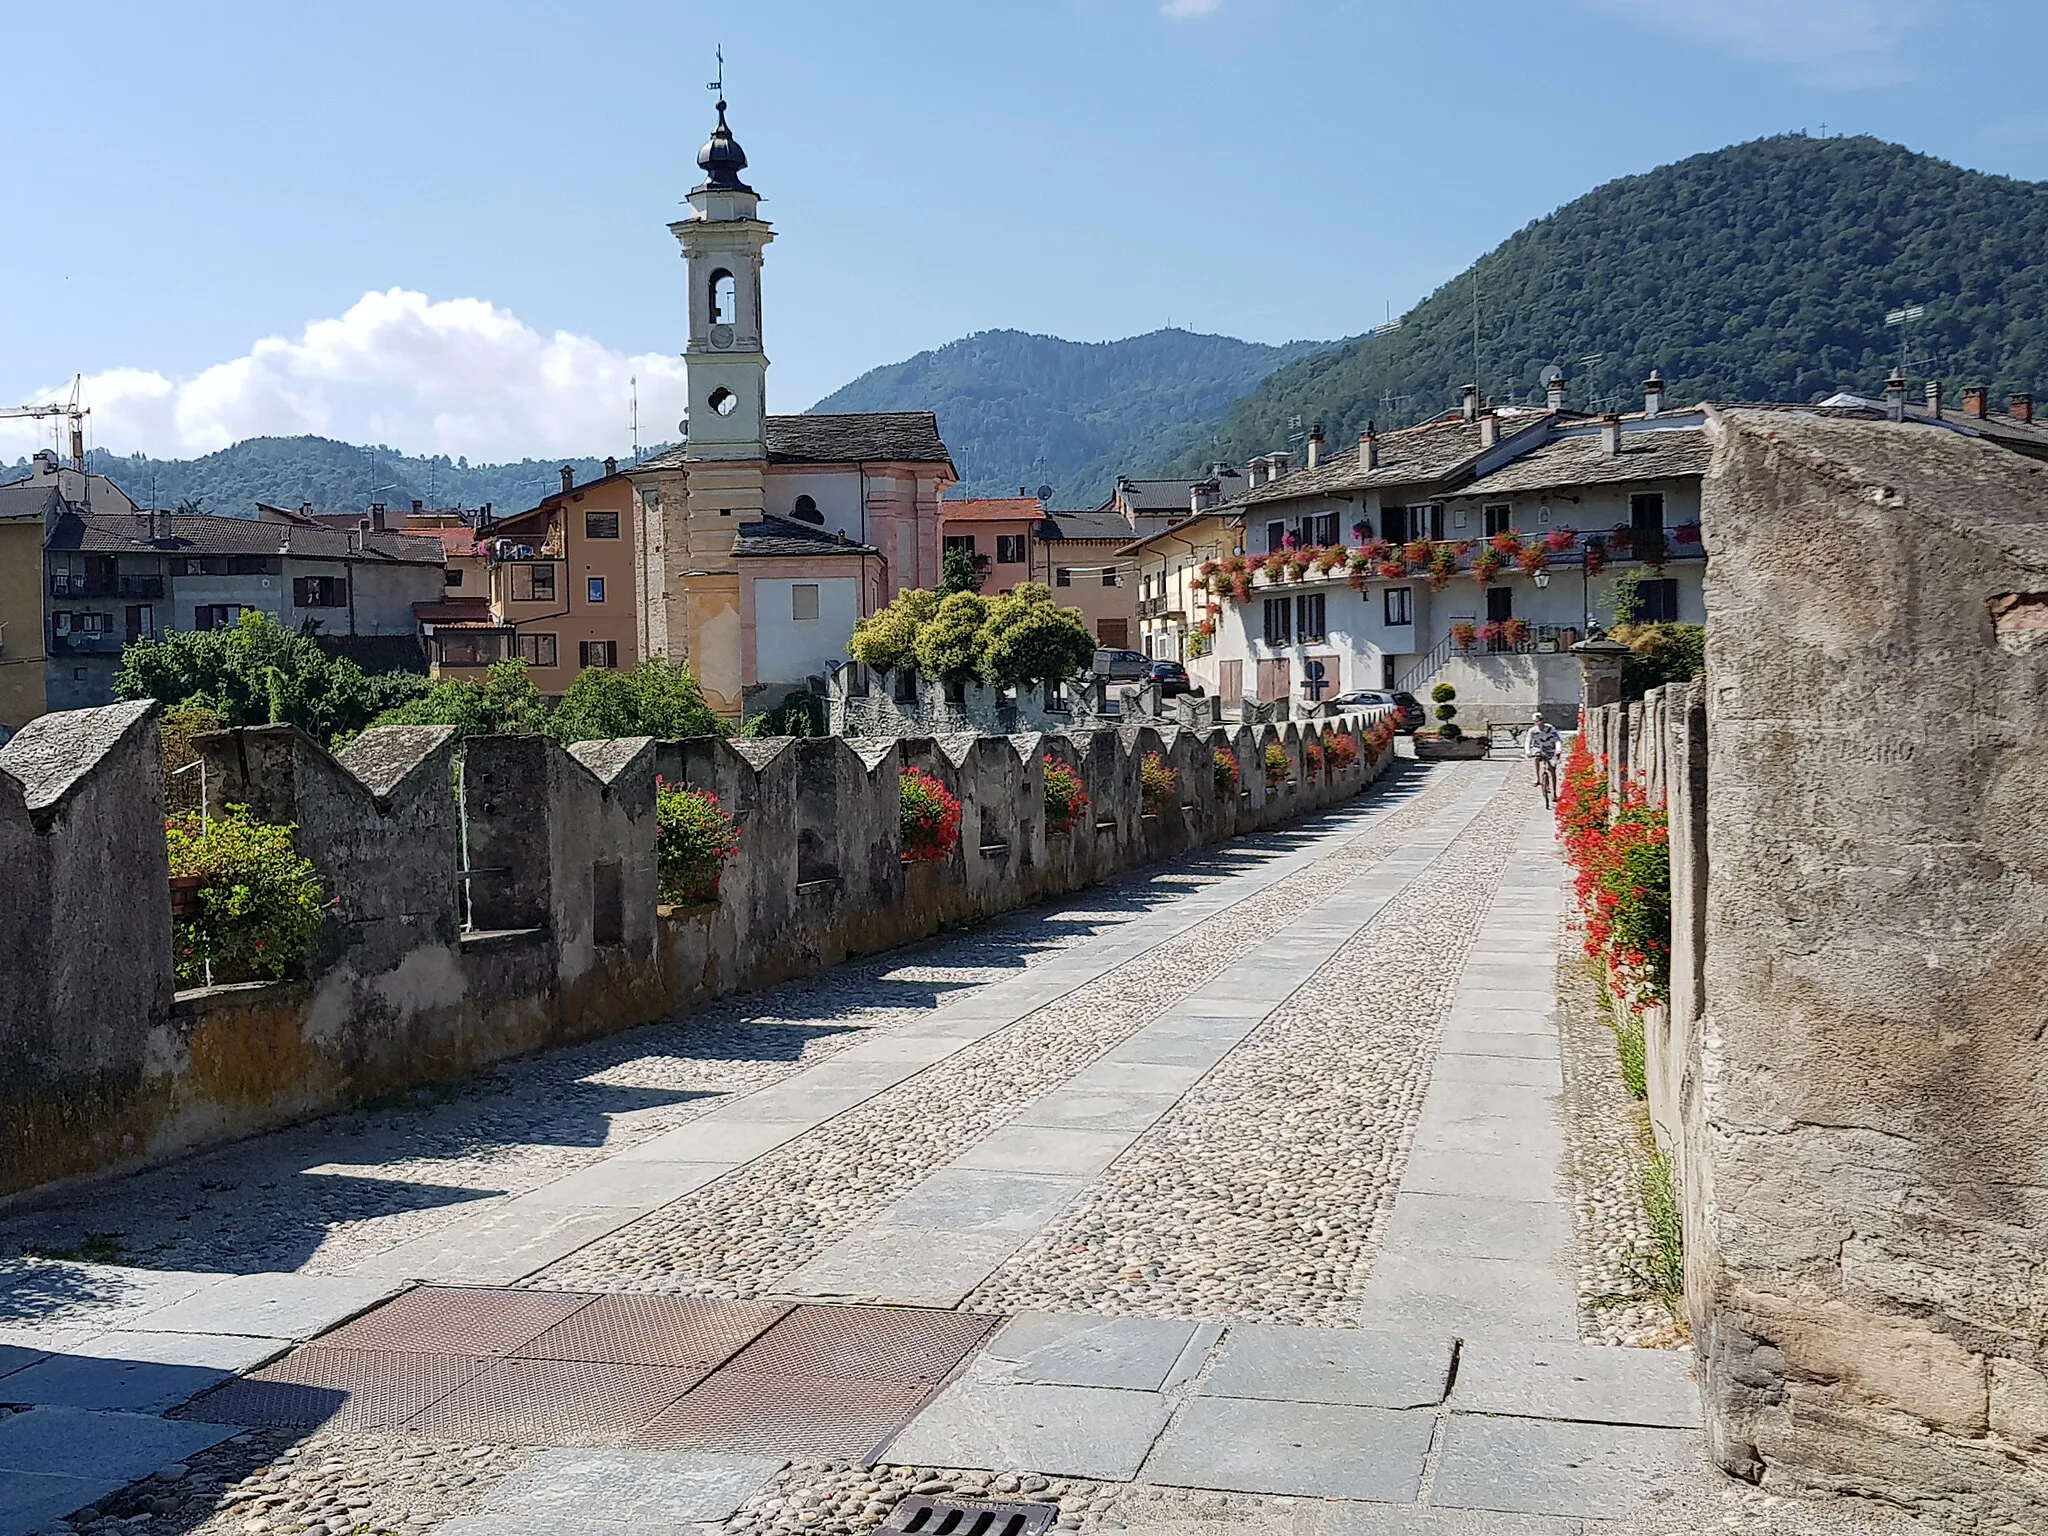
{"points": [[1392, 570], [1533, 558], [1558, 540], [1449, 739], [1464, 635], [1229, 773], [1507, 543], [1416, 553], [252, 903], [1686, 533], [1514, 632], [1065, 799], [930, 818], [1156, 784], [1491, 633], [693, 840], [1312, 760], [1485, 566]]}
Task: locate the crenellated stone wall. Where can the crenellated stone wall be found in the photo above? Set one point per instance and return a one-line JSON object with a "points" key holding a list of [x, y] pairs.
{"points": [[1849, 1075], [499, 896]]}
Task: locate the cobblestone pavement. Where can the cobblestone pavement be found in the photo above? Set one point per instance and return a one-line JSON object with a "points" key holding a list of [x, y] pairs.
{"points": [[1294, 1059]]}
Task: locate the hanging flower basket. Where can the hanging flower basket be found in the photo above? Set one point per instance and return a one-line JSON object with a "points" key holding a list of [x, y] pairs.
{"points": [[1558, 540], [1464, 636], [1514, 632], [1533, 558], [1485, 566]]}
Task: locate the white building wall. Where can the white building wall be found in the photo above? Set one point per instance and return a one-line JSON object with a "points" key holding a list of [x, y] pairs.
{"points": [[786, 650]]}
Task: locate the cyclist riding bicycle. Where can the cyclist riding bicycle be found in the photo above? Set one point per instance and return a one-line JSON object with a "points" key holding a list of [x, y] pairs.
{"points": [[1541, 747]]}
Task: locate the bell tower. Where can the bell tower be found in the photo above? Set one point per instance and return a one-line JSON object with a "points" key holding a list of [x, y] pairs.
{"points": [[722, 241]]}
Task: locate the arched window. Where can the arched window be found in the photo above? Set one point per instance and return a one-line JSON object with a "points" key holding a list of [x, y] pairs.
{"points": [[806, 511], [725, 304]]}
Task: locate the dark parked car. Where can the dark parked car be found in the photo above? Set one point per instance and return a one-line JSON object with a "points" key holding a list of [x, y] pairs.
{"points": [[1120, 666], [1172, 679], [1408, 711]]}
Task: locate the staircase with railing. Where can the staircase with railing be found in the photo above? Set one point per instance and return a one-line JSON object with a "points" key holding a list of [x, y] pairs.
{"points": [[1431, 664]]}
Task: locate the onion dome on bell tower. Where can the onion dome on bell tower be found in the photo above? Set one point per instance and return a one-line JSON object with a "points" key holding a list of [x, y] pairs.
{"points": [[721, 159]]}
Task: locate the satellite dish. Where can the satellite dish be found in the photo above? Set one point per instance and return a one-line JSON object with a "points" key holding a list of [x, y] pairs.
{"points": [[1045, 493], [1550, 375]]}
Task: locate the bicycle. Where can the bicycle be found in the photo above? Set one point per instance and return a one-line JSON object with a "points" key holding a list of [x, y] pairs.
{"points": [[1546, 779]]}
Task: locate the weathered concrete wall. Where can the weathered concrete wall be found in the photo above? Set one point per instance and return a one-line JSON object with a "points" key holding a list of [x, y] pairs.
{"points": [[560, 937], [1865, 1128]]}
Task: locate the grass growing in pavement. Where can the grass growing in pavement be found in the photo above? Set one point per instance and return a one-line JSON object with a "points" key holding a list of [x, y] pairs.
{"points": [[97, 1248], [1630, 1044], [1660, 1268]]}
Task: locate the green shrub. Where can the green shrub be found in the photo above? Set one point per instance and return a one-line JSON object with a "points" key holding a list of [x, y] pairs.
{"points": [[1633, 1049], [259, 908], [1276, 765], [1660, 1267], [930, 818], [693, 839], [948, 645], [175, 729], [1065, 799], [1228, 772], [1443, 693]]}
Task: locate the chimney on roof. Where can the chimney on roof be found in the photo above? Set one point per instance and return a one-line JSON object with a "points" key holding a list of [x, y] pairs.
{"points": [[2022, 409], [1255, 472], [1315, 445], [611, 465], [1553, 393], [418, 506], [1610, 434], [355, 541], [376, 523], [1202, 495], [1895, 396], [1977, 401], [1276, 466], [1489, 429], [1369, 448], [1934, 398], [305, 509], [1653, 393], [1469, 408], [568, 479]]}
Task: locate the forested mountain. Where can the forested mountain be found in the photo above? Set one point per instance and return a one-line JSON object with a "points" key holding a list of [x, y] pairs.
{"points": [[1759, 272], [1023, 410], [335, 477]]}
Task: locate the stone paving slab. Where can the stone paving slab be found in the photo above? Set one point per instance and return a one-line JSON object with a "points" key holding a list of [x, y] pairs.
{"points": [[718, 1138], [1652, 1387], [30, 1501], [1330, 1365], [504, 1244], [66, 1293], [55, 1460], [1534, 1044], [959, 1199], [1319, 1450], [1137, 1354], [138, 1372], [1478, 1226], [1047, 1149], [1118, 1111], [1522, 1071], [1542, 1467], [638, 1185], [1392, 1520], [1442, 1168], [1055, 1431], [574, 1491], [1460, 1293], [278, 1306], [914, 1266]]}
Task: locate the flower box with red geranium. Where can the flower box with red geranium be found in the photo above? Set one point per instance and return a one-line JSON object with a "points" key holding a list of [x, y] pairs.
{"points": [[1492, 632], [1312, 760], [1229, 773], [1464, 635], [930, 818], [1596, 556], [693, 840], [1415, 553], [1686, 533], [1532, 559], [1343, 750], [1065, 799], [1507, 542], [1558, 540], [1275, 762], [1514, 632], [1485, 566], [1157, 784]]}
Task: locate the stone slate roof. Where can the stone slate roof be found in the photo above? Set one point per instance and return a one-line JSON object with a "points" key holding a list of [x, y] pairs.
{"points": [[872, 437], [122, 533], [778, 536], [1658, 453], [1436, 450], [1085, 525], [1164, 496], [1918, 464]]}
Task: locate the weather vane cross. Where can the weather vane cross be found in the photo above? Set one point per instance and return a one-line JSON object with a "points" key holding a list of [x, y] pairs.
{"points": [[718, 85]]}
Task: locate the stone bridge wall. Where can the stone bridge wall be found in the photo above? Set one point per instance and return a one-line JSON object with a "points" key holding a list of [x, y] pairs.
{"points": [[558, 937], [1850, 1075]]}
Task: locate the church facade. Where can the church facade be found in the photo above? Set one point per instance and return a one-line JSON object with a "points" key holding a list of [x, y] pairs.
{"points": [[763, 539]]}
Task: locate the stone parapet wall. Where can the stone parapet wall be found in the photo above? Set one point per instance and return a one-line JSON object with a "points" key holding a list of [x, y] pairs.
{"points": [[1850, 1074], [499, 896]]}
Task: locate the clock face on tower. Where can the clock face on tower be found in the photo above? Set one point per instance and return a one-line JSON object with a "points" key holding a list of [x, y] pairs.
{"points": [[721, 336]]}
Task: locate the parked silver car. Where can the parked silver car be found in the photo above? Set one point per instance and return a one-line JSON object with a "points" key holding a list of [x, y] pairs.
{"points": [[1121, 666]]}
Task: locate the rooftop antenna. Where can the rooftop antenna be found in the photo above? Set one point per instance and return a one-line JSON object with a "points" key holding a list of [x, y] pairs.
{"points": [[718, 86], [633, 395], [1903, 318]]}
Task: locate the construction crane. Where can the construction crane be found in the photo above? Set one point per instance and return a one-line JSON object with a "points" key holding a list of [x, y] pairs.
{"points": [[72, 409]]}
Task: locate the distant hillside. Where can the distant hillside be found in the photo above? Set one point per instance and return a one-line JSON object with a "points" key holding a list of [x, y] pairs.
{"points": [[286, 471], [1759, 272], [1022, 410]]}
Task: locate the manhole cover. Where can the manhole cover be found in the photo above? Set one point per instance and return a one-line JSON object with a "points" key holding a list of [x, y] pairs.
{"points": [[969, 1517], [435, 1320]]}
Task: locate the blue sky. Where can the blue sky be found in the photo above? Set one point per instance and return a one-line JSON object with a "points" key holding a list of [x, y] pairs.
{"points": [[441, 224]]}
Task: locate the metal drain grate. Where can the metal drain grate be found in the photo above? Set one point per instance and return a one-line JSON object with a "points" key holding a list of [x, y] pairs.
{"points": [[898, 1346], [439, 1320], [683, 1332], [317, 1388], [969, 1517]]}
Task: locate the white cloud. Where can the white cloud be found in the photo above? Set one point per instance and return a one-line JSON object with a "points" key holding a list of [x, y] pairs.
{"points": [[1849, 44], [458, 376], [1180, 9]]}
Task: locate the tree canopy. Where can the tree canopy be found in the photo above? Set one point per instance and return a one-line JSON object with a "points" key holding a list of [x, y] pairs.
{"points": [[258, 673], [503, 702], [1023, 636], [656, 698]]}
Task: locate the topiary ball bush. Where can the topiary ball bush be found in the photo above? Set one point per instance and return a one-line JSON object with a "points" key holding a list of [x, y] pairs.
{"points": [[1447, 711], [1451, 731], [1443, 693]]}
